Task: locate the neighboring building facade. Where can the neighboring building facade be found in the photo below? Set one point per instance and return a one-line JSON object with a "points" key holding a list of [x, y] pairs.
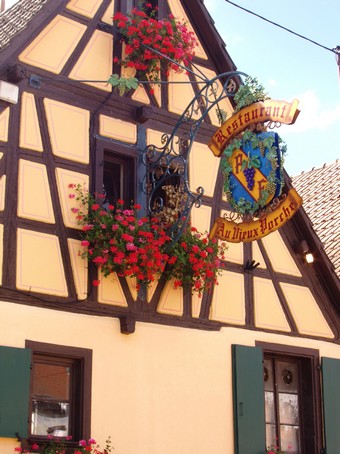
{"points": [[324, 212], [259, 355]]}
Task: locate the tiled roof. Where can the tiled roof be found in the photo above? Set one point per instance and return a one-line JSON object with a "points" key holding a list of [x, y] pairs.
{"points": [[320, 191], [15, 19]]}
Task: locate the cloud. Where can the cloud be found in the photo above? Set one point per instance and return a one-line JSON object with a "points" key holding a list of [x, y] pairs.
{"points": [[314, 115]]}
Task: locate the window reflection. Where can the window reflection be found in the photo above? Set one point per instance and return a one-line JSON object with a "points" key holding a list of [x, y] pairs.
{"points": [[50, 399]]}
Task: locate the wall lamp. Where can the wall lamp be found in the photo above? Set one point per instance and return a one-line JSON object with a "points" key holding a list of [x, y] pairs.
{"points": [[9, 92], [305, 252]]}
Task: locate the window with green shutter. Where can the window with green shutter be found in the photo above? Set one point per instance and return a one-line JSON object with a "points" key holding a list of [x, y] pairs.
{"points": [[331, 404], [14, 391], [248, 393]]}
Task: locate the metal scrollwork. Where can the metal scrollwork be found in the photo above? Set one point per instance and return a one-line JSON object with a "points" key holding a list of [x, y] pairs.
{"points": [[167, 177]]}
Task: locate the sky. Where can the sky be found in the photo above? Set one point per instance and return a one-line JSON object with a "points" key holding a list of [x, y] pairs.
{"points": [[290, 67]]}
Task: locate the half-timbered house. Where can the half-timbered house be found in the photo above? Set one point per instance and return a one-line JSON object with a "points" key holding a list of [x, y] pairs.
{"points": [[253, 361]]}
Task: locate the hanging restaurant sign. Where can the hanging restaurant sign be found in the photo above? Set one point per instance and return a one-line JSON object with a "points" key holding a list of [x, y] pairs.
{"points": [[233, 232], [259, 112], [252, 166]]}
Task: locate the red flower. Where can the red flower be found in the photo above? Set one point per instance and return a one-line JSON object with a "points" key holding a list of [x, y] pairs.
{"points": [[95, 282]]}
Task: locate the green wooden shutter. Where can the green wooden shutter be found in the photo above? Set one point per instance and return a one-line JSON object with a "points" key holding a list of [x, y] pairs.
{"points": [[331, 404], [248, 389], [14, 391]]}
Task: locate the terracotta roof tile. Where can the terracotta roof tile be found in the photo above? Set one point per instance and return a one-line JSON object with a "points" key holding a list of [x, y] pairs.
{"points": [[15, 19], [320, 190]]}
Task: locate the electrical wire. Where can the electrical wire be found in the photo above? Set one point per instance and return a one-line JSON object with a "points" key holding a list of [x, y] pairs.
{"points": [[335, 51]]}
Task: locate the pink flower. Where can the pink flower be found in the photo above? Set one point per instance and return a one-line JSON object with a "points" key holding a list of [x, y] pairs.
{"points": [[35, 447], [87, 227], [85, 243], [131, 247], [91, 441]]}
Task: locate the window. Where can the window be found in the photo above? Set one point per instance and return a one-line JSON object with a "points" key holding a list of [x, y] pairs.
{"points": [[118, 179], [282, 406], [292, 400], [115, 172], [60, 391], [277, 399]]}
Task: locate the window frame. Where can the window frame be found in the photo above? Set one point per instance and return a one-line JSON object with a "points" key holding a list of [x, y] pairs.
{"points": [[310, 408], [126, 156], [81, 385]]}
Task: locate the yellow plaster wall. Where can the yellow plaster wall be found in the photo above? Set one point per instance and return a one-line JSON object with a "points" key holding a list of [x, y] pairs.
{"points": [[95, 63], [68, 128], [62, 35], [201, 159], [160, 390], [110, 291], [306, 312], [34, 197], [29, 136], [200, 218], [87, 8], [79, 267], [67, 196], [214, 92], [117, 129], [279, 255], [180, 95], [2, 192], [257, 256], [235, 250], [140, 95], [107, 17], [39, 263], [268, 310], [171, 300], [228, 300], [4, 122]]}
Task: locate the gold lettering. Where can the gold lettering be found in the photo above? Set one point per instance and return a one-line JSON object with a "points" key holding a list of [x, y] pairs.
{"points": [[238, 162]]}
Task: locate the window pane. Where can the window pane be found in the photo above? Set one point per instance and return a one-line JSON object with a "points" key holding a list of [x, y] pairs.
{"points": [[290, 439], [270, 435], [269, 407], [289, 409], [268, 375], [50, 418], [287, 376], [51, 381], [50, 399]]}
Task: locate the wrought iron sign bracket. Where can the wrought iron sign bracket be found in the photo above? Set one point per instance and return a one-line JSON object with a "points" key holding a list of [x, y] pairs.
{"points": [[166, 180]]}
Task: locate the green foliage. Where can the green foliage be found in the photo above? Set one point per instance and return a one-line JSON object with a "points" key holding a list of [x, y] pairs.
{"points": [[252, 91], [123, 84]]}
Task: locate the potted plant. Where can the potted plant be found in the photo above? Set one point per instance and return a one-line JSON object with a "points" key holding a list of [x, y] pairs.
{"points": [[58, 445], [152, 45], [118, 240]]}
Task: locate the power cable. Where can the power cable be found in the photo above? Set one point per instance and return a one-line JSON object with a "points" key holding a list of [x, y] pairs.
{"points": [[335, 50]]}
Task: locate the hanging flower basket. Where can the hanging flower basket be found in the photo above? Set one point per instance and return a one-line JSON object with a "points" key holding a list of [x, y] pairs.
{"points": [[116, 240], [144, 34]]}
